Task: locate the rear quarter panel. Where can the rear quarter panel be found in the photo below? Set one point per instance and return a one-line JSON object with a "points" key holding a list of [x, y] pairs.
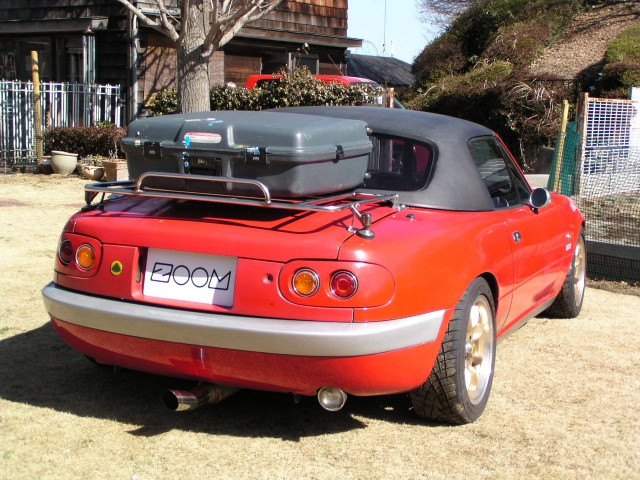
{"points": [[433, 257]]}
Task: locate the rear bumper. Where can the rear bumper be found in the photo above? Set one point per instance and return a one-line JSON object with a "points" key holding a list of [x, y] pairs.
{"points": [[261, 353], [265, 335]]}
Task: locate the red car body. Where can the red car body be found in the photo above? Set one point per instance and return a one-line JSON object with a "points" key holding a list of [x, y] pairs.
{"points": [[257, 80], [383, 339]]}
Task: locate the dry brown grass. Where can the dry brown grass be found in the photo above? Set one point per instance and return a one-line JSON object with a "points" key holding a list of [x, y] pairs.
{"points": [[564, 402]]}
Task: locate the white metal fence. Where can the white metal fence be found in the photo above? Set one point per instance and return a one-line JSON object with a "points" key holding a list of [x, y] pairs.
{"points": [[609, 195], [611, 136], [63, 105]]}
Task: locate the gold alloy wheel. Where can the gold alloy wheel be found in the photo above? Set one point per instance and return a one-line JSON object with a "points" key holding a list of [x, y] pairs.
{"points": [[479, 349], [579, 271]]}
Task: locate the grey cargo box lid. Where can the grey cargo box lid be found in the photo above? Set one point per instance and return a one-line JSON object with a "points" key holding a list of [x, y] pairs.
{"points": [[288, 137], [294, 155]]}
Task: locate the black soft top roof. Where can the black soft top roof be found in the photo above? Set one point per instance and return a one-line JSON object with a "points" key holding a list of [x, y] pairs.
{"points": [[456, 183]]}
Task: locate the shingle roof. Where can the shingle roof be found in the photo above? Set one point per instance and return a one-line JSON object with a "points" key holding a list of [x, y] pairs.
{"points": [[388, 71]]}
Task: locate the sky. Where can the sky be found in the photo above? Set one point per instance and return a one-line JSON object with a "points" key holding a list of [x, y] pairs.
{"points": [[403, 35]]}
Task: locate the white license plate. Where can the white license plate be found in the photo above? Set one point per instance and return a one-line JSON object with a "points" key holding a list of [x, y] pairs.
{"points": [[192, 277]]}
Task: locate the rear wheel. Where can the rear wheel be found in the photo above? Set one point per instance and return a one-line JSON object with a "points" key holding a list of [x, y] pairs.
{"points": [[458, 388], [568, 303]]}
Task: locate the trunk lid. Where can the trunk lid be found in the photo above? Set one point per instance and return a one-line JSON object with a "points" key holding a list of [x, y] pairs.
{"points": [[242, 231]]}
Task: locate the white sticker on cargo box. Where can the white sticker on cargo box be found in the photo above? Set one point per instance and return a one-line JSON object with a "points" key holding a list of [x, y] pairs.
{"points": [[201, 137], [193, 277]]}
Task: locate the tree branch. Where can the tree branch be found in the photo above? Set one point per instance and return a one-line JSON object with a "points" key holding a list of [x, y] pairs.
{"points": [[445, 10], [231, 17], [167, 29], [166, 23]]}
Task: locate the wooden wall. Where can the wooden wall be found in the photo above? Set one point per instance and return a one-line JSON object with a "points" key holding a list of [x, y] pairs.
{"points": [[325, 17], [156, 71], [158, 65], [112, 46], [29, 10]]}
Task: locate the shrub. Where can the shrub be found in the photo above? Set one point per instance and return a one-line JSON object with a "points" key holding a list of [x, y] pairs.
{"points": [[618, 78], [228, 98], [439, 59], [624, 48], [621, 69], [164, 102], [477, 69], [85, 141], [520, 43], [298, 88], [495, 30]]}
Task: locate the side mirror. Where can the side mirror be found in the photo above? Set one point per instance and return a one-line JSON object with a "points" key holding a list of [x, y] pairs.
{"points": [[539, 198]]}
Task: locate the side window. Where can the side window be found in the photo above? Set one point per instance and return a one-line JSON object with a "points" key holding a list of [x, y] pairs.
{"points": [[398, 164], [502, 178]]}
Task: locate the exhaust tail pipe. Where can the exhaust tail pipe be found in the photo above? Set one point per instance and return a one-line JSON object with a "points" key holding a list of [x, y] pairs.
{"points": [[331, 399], [183, 400]]}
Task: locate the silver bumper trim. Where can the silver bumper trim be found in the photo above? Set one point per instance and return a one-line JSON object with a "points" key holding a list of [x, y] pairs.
{"points": [[256, 334]]}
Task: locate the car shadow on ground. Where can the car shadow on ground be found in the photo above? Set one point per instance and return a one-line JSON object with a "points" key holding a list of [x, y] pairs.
{"points": [[39, 369]]}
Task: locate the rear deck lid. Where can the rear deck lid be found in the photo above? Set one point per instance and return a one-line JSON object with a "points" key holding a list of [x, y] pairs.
{"points": [[240, 231]]}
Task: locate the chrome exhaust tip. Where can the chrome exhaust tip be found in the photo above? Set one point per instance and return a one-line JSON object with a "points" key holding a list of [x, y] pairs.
{"points": [[331, 399], [183, 400]]}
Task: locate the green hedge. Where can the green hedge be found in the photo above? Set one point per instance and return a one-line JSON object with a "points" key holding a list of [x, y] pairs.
{"points": [[622, 64], [298, 88], [85, 141]]}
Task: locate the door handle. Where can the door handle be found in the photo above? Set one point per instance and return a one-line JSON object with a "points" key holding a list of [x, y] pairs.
{"points": [[517, 237]]}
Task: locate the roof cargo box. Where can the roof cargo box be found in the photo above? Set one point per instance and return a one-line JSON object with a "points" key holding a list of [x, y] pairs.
{"points": [[294, 155]]}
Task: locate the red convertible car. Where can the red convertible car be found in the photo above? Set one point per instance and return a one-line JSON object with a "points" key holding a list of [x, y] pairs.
{"points": [[392, 266]]}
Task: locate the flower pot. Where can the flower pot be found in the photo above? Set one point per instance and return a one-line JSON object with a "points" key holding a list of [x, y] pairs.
{"points": [[63, 163], [116, 170], [45, 166], [92, 172]]}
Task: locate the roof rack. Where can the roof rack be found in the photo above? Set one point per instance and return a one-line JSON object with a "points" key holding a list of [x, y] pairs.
{"points": [[144, 187]]}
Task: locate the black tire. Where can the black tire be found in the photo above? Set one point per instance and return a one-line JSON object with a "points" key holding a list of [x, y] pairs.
{"points": [[568, 303], [447, 396]]}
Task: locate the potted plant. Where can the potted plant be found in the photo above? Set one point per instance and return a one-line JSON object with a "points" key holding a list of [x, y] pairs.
{"points": [[115, 169], [63, 163], [91, 167]]}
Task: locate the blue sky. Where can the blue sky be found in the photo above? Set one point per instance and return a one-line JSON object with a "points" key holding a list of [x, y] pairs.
{"points": [[404, 36]]}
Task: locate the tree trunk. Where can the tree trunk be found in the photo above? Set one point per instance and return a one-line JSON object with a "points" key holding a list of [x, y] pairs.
{"points": [[193, 66]]}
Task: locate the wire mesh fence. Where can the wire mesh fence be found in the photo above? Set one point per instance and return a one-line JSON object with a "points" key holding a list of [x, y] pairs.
{"points": [[600, 170]]}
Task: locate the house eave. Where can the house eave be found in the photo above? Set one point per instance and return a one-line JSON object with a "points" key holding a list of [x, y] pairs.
{"points": [[288, 36], [56, 25]]}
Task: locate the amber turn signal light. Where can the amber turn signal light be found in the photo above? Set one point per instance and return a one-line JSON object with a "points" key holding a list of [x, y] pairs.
{"points": [[306, 282], [85, 256]]}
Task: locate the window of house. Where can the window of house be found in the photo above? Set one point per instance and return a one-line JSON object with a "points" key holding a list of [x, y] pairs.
{"points": [[8, 60], [60, 59], [310, 61], [43, 47], [502, 177]]}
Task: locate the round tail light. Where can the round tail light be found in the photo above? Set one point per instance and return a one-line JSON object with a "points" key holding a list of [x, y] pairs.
{"points": [[85, 256], [306, 282], [344, 284], [65, 252]]}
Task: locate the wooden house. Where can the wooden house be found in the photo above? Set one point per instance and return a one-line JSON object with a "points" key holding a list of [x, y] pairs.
{"points": [[99, 41]]}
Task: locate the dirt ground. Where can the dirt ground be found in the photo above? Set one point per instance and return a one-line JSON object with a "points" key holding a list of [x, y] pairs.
{"points": [[564, 403]]}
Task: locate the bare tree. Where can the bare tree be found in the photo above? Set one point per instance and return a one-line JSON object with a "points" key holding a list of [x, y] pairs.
{"points": [[443, 10], [201, 28]]}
